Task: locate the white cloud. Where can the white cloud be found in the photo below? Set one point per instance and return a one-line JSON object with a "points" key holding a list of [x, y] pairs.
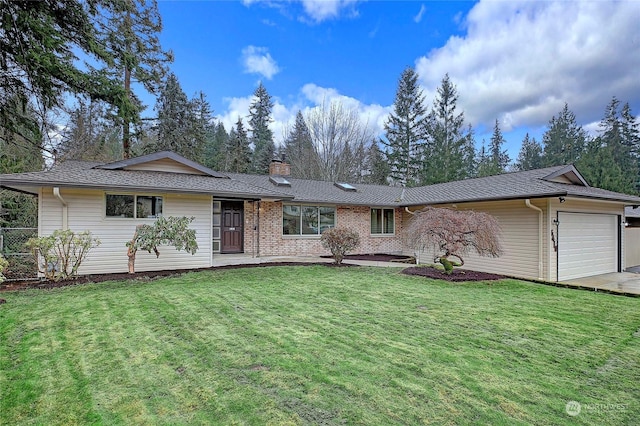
{"points": [[420, 14], [258, 60], [322, 10], [315, 11], [520, 61], [310, 96]]}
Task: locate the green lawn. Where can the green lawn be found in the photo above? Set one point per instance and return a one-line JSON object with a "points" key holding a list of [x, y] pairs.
{"points": [[317, 345]]}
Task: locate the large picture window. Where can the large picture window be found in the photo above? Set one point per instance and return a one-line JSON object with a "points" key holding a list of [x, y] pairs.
{"points": [[382, 221], [130, 206], [307, 220]]}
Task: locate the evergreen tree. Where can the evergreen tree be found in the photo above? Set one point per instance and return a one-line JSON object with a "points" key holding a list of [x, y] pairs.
{"points": [[378, 168], [483, 161], [20, 152], [174, 121], [405, 131], [446, 154], [611, 161], [599, 168], [564, 140], [40, 42], [261, 136], [300, 152], [215, 151], [530, 155], [239, 152], [496, 160], [89, 136], [631, 134], [469, 154], [129, 29], [202, 126]]}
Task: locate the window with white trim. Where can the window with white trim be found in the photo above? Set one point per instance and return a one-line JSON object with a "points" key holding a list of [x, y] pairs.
{"points": [[130, 206], [382, 222], [307, 220]]}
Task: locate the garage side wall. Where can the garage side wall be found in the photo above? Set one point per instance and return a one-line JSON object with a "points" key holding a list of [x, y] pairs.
{"points": [[520, 240], [86, 211]]}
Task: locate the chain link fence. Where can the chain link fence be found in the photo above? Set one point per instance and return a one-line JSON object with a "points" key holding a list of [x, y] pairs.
{"points": [[22, 265]]}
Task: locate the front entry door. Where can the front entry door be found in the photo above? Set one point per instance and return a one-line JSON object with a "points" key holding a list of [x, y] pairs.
{"points": [[232, 227]]}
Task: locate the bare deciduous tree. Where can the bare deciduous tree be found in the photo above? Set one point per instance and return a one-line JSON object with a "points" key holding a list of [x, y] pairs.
{"points": [[340, 138], [453, 233]]}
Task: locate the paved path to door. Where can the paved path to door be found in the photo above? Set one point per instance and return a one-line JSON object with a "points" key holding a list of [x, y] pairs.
{"points": [[619, 282]]}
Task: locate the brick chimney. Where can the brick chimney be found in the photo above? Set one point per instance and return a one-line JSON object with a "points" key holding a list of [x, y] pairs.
{"points": [[279, 167]]}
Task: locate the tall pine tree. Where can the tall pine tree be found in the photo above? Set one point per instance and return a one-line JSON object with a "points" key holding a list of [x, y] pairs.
{"points": [[239, 152], [300, 152], [261, 136], [405, 131], [129, 29], [564, 140], [446, 156], [530, 155], [611, 161], [496, 160], [378, 169]]}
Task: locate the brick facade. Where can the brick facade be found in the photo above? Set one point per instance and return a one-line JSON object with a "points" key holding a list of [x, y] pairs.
{"points": [[273, 243]]}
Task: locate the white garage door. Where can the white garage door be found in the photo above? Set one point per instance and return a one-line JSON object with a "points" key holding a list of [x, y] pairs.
{"points": [[587, 245]]}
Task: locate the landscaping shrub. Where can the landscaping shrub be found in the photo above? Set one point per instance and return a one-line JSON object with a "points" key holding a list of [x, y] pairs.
{"points": [[165, 230], [453, 233], [60, 254], [3, 266], [340, 241]]}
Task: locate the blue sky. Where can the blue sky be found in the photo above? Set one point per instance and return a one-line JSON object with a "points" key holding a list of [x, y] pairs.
{"points": [[514, 61]]}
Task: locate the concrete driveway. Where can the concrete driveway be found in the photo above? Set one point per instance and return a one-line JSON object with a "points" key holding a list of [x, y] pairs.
{"points": [[618, 282]]}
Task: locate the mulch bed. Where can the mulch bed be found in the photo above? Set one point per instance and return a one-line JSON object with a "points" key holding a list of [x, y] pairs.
{"points": [[379, 257], [456, 276], [140, 276]]}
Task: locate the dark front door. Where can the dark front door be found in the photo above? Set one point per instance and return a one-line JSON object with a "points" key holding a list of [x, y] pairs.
{"points": [[232, 229]]}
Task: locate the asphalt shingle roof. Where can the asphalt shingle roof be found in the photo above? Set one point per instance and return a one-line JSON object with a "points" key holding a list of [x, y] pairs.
{"points": [[83, 174], [516, 185], [316, 191]]}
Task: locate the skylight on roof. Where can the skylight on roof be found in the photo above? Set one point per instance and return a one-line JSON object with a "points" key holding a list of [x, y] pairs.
{"points": [[345, 186], [279, 181]]}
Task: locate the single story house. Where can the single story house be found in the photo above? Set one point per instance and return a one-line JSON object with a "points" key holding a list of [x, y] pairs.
{"points": [[554, 225]]}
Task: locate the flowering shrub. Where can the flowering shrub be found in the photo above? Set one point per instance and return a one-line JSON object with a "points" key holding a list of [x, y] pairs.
{"points": [[339, 241]]}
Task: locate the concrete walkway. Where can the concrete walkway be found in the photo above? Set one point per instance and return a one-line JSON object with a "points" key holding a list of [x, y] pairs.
{"points": [[619, 282]]}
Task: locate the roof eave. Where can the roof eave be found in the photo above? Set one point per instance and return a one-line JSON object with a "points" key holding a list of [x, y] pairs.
{"points": [[227, 194]]}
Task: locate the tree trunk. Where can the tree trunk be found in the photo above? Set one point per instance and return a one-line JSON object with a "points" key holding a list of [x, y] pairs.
{"points": [[126, 137], [132, 260]]}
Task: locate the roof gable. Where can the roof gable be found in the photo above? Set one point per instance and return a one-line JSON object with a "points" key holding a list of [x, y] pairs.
{"points": [[567, 174], [165, 161]]}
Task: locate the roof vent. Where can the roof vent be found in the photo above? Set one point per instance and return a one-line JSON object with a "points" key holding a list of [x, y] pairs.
{"points": [[345, 186], [279, 181]]}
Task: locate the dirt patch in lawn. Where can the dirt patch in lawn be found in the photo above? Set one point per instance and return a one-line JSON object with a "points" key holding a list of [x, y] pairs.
{"points": [[456, 276], [141, 276]]}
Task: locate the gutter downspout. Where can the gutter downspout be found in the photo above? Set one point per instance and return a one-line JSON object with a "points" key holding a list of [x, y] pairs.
{"points": [[527, 202], [65, 209]]}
